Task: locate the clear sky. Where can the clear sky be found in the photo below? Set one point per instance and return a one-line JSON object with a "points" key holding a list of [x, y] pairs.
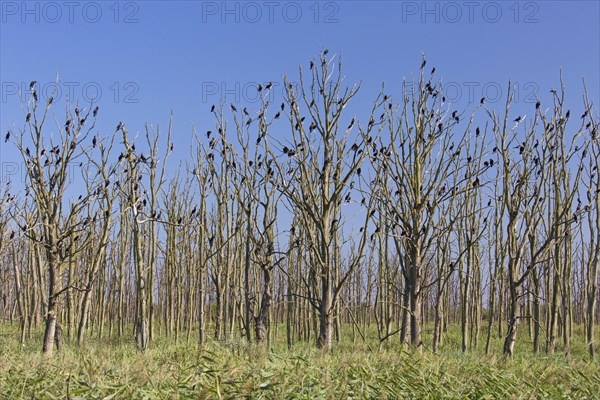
{"points": [[146, 58]]}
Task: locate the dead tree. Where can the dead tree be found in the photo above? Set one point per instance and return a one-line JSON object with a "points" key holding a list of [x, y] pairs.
{"points": [[49, 165], [420, 159], [315, 176]]}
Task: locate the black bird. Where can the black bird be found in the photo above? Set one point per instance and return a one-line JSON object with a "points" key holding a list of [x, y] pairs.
{"points": [[233, 108], [432, 70], [95, 111], [119, 126], [50, 100], [35, 96], [351, 124], [246, 111], [477, 131], [277, 115], [312, 65], [179, 220], [28, 117], [94, 142], [537, 105], [423, 64], [260, 88], [12, 235], [358, 171], [584, 114], [482, 100], [172, 146], [7, 137], [518, 119], [282, 106], [568, 114], [269, 86], [32, 84], [326, 52], [212, 109], [208, 133], [27, 151]]}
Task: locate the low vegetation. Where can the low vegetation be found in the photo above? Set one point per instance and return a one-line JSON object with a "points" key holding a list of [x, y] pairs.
{"points": [[111, 368]]}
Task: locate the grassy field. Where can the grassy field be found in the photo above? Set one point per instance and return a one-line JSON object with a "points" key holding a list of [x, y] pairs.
{"points": [[112, 369]]}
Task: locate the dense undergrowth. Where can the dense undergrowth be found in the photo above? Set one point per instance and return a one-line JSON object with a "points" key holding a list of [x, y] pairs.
{"points": [[112, 369]]}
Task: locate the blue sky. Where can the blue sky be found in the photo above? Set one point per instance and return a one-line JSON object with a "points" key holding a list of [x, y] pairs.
{"points": [[147, 58]]}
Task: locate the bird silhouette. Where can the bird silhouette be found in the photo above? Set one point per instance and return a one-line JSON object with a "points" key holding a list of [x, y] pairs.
{"points": [[95, 112], [351, 124], [233, 108], [7, 137], [212, 108], [518, 119], [537, 105], [32, 84], [312, 65]]}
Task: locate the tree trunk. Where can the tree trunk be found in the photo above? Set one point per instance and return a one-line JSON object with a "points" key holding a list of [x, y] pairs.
{"points": [[51, 317]]}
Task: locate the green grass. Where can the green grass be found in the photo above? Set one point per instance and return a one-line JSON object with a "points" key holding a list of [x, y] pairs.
{"points": [[112, 369]]}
